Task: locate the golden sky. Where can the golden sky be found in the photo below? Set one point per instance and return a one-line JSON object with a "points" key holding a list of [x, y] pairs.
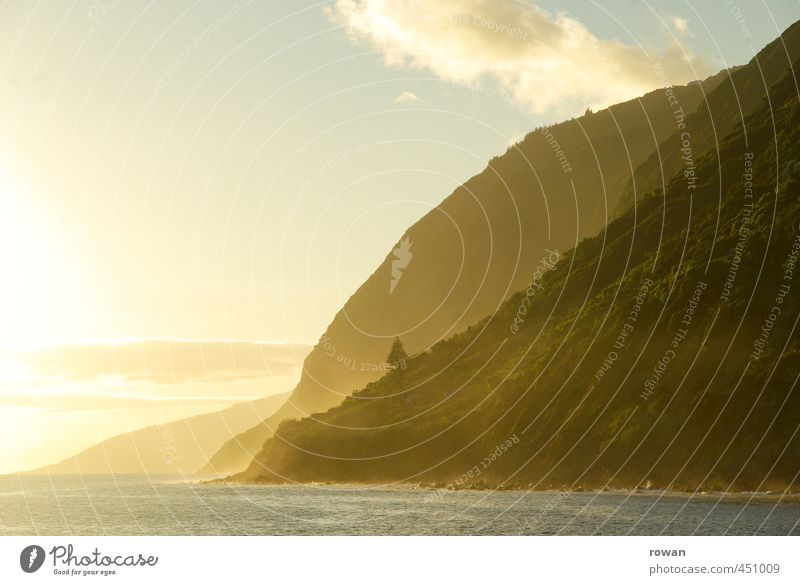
{"points": [[58, 400]]}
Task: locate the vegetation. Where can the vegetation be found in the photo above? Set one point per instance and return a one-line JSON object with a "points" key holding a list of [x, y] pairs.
{"points": [[479, 245], [397, 355], [661, 352]]}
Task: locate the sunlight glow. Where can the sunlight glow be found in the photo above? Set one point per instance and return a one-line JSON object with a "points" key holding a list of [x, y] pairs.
{"points": [[43, 293]]}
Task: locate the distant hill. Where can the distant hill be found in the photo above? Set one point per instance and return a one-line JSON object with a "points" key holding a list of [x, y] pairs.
{"points": [[482, 243], [236, 453], [180, 446], [661, 353]]}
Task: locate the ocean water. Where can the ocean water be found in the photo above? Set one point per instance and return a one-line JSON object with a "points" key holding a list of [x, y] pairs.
{"points": [[141, 505]]}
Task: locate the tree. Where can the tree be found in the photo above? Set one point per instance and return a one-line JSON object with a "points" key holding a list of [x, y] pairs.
{"points": [[397, 355]]}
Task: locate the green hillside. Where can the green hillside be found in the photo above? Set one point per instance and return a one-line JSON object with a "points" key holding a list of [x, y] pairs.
{"points": [[477, 247], [661, 352], [558, 186]]}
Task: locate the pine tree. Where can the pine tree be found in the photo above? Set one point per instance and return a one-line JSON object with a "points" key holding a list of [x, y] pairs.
{"points": [[397, 355]]}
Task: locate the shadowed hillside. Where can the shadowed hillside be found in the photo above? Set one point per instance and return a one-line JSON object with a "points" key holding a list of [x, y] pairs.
{"points": [[661, 353], [558, 186], [462, 260], [736, 96]]}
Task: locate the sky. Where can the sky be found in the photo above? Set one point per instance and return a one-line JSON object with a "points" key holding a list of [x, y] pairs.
{"points": [[233, 171], [223, 170], [56, 401]]}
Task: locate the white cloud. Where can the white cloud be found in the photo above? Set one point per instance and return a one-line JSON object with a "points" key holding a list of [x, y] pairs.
{"points": [[681, 26], [515, 139], [159, 361], [407, 97], [547, 62]]}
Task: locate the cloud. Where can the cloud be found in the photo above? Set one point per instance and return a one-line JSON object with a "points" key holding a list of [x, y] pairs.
{"points": [[165, 361], [407, 97], [547, 62], [681, 26], [55, 401]]}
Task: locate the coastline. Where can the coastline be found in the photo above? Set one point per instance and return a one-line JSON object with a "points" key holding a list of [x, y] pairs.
{"points": [[732, 496]]}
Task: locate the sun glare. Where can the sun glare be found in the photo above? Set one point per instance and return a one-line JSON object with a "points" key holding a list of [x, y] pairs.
{"points": [[42, 295]]}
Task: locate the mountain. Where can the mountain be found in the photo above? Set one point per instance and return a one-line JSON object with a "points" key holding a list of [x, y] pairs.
{"points": [[236, 453], [660, 353], [520, 205], [180, 446], [737, 94], [462, 260]]}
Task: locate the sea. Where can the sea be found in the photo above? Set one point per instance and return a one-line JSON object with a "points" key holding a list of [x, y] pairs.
{"points": [[163, 505]]}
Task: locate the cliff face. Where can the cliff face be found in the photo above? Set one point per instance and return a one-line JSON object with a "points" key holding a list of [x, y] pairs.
{"points": [[462, 260], [557, 187], [662, 352], [737, 94]]}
